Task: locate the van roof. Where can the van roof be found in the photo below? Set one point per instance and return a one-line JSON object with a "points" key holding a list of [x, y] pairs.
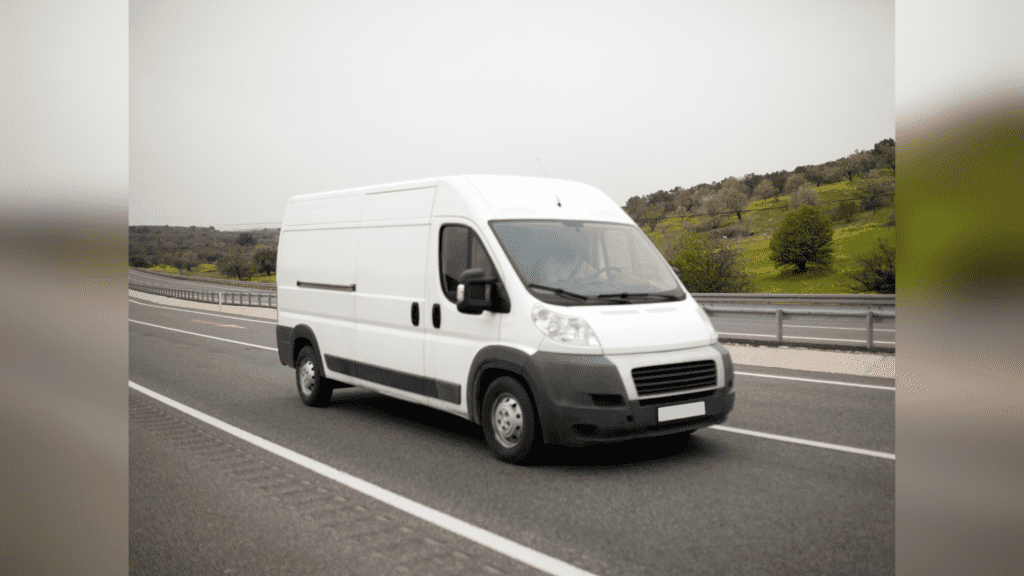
{"points": [[507, 196]]}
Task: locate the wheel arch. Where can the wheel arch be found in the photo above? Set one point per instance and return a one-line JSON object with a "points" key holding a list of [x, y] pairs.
{"points": [[302, 335], [490, 363]]}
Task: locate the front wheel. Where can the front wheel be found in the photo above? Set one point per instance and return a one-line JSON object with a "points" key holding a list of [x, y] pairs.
{"points": [[510, 423], [309, 377]]}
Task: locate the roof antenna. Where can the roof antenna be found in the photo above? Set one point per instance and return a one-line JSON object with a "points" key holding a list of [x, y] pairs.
{"points": [[542, 168], [557, 200]]}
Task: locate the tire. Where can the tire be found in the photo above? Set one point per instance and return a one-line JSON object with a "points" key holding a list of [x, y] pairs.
{"points": [[510, 422], [314, 390]]}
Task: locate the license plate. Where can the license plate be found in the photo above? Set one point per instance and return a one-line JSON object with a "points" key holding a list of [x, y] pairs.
{"points": [[666, 413]]}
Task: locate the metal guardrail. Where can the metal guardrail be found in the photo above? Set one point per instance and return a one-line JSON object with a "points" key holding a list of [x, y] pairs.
{"points": [[870, 300], [779, 313], [269, 300], [261, 299], [239, 283]]}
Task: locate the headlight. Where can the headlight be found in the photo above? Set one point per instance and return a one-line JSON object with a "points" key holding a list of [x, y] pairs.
{"points": [[568, 329]]}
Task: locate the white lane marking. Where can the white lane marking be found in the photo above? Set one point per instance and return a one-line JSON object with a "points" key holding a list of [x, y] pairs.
{"points": [[500, 544], [221, 325], [176, 309], [773, 336], [203, 335], [890, 388], [814, 443]]}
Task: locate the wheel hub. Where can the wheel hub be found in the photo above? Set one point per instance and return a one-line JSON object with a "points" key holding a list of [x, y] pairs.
{"points": [[307, 376], [507, 421]]}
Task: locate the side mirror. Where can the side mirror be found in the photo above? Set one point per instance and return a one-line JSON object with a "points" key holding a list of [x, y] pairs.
{"points": [[473, 294]]}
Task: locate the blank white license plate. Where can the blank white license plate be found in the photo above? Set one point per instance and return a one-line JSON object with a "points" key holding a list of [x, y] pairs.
{"points": [[666, 413]]}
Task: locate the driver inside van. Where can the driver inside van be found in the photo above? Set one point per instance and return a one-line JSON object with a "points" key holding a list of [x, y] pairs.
{"points": [[559, 268]]}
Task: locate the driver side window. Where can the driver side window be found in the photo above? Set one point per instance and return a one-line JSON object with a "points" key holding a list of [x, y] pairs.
{"points": [[461, 250]]}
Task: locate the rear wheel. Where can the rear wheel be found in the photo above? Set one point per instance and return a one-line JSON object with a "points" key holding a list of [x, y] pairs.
{"points": [[314, 390], [510, 423]]}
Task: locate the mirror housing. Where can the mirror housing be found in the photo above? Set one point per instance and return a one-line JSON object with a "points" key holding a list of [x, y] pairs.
{"points": [[475, 291]]}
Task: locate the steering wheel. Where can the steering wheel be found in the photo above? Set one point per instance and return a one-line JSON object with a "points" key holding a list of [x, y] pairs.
{"points": [[595, 273]]}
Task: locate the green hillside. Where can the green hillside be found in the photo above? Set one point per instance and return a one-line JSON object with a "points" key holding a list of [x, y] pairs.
{"points": [[853, 239]]}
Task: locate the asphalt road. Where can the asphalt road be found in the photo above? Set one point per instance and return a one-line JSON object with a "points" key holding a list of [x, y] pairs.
{"points": [[718, 502], [840, 331]]}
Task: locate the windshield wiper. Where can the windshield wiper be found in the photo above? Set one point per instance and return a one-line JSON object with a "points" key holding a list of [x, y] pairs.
{"points": [[629, 295], [558, 291]]}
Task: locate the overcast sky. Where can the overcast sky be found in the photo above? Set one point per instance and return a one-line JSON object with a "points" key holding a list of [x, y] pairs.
{"points": [[234, 106]]}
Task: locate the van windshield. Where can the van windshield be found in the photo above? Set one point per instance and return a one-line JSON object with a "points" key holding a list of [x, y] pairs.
{"points": [[587, 263]]}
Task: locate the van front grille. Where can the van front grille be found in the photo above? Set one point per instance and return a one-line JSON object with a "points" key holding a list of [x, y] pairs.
{"points": [[675, 377]]}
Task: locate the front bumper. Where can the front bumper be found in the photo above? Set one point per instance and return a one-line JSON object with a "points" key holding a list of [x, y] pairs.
{"points": [[582, 400], [581, 426]]}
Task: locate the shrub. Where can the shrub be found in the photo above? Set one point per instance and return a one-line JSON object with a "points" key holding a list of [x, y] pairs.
{"points": [[876, 272], [235, 263], [845, 211], [736, 230], [805, 236], [707, 265], [806, 194], [875, 189]]}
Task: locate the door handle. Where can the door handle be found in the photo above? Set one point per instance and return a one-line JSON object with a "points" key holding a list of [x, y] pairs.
{"points": [[436, 313], [415, 313]]}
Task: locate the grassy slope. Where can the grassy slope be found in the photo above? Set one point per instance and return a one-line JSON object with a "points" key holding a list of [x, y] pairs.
{"points": [[850, 240]]}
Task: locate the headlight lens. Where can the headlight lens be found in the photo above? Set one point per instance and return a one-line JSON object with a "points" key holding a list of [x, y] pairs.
{"points": [[560, 328]]}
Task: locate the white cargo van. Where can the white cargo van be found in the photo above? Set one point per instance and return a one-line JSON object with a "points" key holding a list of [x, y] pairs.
{"points": [[535, 307]]}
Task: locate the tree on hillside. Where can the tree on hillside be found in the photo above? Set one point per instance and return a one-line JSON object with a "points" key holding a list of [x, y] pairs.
{"points": [[876, 272], [805, 236], [660, 197], [185, 260], [716, 211], [734, 200], [264, 259], [806, 194], [235, 263], [875, 189], [751, 180], [707, 265], [635, 207], [779, 181], [765, 189], [246, 239], [857, 163], [844, 212], [137, 257], [793, 183], [885, 153], [687, 200]]}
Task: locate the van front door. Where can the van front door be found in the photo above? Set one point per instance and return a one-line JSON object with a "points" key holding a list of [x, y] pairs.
{"points": [[454, 338]]}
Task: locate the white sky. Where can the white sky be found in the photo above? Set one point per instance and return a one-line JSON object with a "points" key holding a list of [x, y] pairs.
{"points": [[237, 105]]}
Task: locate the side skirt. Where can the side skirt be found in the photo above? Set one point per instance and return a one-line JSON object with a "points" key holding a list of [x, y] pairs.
{"points": [[428, 387]]}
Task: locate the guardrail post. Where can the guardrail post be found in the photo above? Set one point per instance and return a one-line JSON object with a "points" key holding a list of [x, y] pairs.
{"points": [[778, 317], [871, 330], [220, 301]]}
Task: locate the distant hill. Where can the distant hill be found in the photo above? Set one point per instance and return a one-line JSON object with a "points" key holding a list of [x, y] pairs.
{"points": [[189, 246]]}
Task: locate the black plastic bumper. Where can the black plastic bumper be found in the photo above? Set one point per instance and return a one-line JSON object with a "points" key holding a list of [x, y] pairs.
{"points": [[580, 426], [581, 400]]}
